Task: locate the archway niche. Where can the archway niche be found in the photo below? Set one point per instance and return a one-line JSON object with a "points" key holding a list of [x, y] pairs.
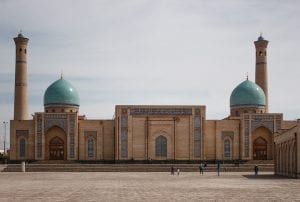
{"points": [[56, 144], [262, 144]]}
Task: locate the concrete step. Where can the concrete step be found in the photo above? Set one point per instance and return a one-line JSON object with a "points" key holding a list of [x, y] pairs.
{"points": [[132, 168]]}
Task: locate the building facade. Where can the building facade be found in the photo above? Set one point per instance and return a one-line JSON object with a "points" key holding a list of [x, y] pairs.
{"points": [[287, 152], [144, 132]]}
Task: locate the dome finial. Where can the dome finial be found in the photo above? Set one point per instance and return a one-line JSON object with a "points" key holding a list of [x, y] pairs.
{"points": [[247, 76], [61, 74], [260, 38], [20, 33]]}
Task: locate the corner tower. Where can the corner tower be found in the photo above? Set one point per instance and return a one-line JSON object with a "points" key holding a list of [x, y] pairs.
{"points": [[21, 97], [261, 72]]}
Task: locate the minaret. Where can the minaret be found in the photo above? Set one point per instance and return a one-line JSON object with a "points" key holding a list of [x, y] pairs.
{"points": [[261, 72], [21, 98]]}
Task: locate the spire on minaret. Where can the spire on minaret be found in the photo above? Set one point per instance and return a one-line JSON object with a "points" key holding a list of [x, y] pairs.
{"points": [[260, 38], [20, 34]]}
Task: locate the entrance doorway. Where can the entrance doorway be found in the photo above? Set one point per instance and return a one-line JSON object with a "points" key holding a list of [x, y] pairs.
{"points": [[56, 149], [260, 149]]}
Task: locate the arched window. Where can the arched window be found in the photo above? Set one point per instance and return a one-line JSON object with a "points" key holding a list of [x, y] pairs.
{"points": [[90, 147], [227, 148], [22, 150], [161, 146]]}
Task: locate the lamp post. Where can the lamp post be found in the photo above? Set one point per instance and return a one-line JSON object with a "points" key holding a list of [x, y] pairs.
{"points": [[4, 141]]}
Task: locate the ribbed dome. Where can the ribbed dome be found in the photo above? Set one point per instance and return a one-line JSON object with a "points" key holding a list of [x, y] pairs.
{"points": [[247, 93], [61, 92]]}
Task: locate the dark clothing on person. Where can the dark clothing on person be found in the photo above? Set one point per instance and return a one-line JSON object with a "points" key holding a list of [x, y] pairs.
{"points": [[172, 170], [218, 168], [256, 169], [201, 169]]}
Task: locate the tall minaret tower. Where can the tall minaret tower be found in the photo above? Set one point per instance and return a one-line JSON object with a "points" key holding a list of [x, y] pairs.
{"points": [[261, 72], [21, 98]]}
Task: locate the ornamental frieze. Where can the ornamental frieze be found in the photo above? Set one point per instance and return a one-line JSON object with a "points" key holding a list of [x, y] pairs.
{"points": [[62, 123], [160, 111], [267, 124]]}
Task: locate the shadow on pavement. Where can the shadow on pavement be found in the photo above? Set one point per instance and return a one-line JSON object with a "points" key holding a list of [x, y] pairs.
{"points": [[265, 176]]}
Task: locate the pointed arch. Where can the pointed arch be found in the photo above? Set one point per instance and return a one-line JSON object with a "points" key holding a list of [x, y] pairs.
{"points": [[262, 143], [57, 148], [55, 144], [260, 149]]}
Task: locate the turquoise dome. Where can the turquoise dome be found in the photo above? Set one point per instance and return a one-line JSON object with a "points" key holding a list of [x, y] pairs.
{"points": [[247, 93], [61, 92]]}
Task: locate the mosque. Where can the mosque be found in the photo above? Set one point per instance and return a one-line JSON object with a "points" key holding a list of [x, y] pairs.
{"points": [[145, 132]]}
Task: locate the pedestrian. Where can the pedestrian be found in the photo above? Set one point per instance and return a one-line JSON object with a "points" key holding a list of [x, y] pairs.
{"points": [[178, 171], [218, 168], [256, 169], [201, 168], [172, 170]]}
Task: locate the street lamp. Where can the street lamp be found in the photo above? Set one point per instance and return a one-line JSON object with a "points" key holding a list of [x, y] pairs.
{"points": [[4, 141]]}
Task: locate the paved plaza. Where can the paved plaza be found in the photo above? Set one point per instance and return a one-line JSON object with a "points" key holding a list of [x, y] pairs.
{"points": [[146, 186]]}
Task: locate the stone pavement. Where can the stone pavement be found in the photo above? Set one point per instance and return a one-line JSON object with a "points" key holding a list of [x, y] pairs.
{"points": [[146, 186]]}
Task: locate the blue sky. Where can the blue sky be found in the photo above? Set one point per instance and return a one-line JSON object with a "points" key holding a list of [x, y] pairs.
{"points": [[151, 52]]}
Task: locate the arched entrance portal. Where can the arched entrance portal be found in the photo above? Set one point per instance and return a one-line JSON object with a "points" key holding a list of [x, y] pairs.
{"points": [[56, 144], [56, 149], [260, 149]]}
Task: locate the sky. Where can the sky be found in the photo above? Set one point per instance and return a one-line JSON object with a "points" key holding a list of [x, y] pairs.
{"points": [[150, 52]]}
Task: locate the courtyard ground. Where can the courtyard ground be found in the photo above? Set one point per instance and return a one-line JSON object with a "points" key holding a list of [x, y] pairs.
{"points": [[146, 186]]}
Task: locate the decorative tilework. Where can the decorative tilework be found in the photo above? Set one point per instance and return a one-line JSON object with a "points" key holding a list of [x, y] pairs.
{"points": [[55, 116], [124, 136], [269, 121], [159, 111], [71, 135], [278, 122], [246, 138], [197, 136], [39, 135], [91, 142], [265, 123], [62, 123]]}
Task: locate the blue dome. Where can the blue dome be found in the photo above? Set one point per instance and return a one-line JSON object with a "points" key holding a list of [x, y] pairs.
{"points": [[247, 93], [61, 92]]}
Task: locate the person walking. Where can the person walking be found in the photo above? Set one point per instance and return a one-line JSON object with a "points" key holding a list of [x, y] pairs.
{"points": [[201, 168], [256, 169], [178, 171], [218, 168], [172, 170]]}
